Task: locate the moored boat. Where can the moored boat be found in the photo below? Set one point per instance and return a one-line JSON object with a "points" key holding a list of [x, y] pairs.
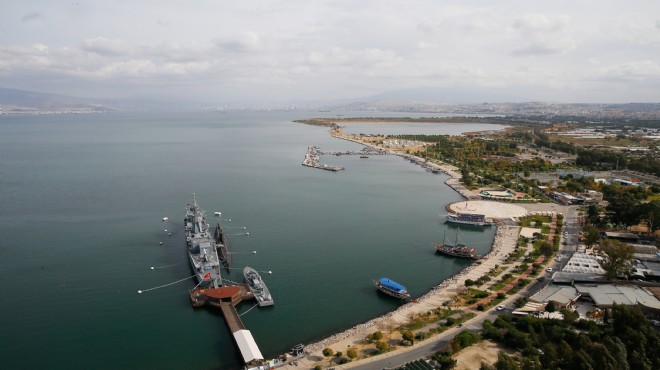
{"points": [[257, 286], [392, 288], [202, 252], [468, 219], [456, 250]]}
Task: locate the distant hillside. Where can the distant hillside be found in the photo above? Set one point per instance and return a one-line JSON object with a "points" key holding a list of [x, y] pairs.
{"points": [[22, 100]]}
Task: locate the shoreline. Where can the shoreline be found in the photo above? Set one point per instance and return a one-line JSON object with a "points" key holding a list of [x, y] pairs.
{"points": [[432, 299]]}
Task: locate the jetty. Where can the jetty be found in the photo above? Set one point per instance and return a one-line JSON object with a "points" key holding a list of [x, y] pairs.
{"points": [[226, 298], [312, 160]]}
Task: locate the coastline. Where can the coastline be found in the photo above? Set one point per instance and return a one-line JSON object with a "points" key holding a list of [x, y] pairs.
{"points": [[503, 243]]}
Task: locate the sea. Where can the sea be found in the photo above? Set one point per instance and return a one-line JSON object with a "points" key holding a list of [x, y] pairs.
{"points": [[82, 202]]}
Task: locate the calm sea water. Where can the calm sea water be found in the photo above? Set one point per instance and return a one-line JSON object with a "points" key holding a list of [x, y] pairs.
{"points": [[82, 199]]}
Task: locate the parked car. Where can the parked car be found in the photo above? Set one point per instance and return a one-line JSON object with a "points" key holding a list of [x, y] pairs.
{"points": [[500, 307]]}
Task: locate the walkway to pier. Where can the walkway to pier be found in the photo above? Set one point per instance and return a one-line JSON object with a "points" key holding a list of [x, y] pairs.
{"points": [[231, 317]]}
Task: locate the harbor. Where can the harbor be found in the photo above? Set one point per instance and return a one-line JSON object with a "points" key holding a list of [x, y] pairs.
{"points": [[116, 247], [312, 160], [312, 157], [212, 291]]}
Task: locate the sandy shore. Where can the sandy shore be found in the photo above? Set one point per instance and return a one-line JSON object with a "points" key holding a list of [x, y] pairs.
{"points": [[503, 243]]}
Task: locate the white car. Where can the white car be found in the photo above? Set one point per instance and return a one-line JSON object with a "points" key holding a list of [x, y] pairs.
{"points": [[549, 269], [500, 307]]}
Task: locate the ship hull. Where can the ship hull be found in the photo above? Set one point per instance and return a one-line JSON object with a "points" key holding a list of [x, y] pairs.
{"points": [[453, 252], [468, 219], [390, 292], [202, 251], [257, 286]]}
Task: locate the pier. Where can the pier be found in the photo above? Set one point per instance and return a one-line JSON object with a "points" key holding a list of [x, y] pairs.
{"points": [[312, 160], [226, 298], [314, 152]]}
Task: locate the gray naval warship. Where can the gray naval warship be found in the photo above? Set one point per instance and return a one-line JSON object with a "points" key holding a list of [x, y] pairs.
{"points": [[202, 250], [257, 287]]}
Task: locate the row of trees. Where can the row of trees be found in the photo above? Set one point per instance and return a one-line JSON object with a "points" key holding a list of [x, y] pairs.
{"points": [[627, 341]]}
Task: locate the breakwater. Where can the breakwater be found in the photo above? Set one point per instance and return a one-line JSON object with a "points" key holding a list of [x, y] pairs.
{"points": [[312, 160]]}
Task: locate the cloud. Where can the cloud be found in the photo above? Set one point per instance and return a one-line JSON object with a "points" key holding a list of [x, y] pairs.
{"points": [[639, 71], [249, 41], [105, 47], [33, 17], [543, 35]]}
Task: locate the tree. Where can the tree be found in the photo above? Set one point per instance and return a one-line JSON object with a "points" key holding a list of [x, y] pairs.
{"points": [[545, 248], [464, 339], [409, 336], [551, 306], [328, 352], [445, 360], [352, 353], [616, 258], [382, 347], [591, 235], [466, 177], [505, 362], [651, 214]]}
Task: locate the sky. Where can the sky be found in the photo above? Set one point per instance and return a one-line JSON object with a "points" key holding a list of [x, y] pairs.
{"points": [[224, 52]]}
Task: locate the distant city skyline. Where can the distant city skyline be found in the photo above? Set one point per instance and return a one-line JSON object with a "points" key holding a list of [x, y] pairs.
{"points": [[291, 51]]}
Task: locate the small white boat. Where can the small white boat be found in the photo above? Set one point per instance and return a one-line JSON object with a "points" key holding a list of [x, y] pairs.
{"points": [[217, 213]]}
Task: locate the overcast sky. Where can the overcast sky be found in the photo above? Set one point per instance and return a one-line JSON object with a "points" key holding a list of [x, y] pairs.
{"points": [[264, 51]]}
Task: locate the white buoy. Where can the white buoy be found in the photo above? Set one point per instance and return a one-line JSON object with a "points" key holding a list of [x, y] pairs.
{"points": [[254, 252], [165, 230], [247, 233], [152, 267], [270, 272], [161, 243], [139, 292]]}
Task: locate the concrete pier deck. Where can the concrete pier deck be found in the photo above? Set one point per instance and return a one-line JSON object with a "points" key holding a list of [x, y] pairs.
{"points": [[312, 160]]}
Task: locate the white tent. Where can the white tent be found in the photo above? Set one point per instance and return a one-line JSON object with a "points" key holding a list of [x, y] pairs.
{"points": [[247, 345]]}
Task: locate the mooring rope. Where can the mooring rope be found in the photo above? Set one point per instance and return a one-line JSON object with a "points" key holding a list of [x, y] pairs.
{"points": [[255, 305], [163, 286]]}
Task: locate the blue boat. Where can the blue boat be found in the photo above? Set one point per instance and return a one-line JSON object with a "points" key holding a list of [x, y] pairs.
{"points": [[392, 288]]}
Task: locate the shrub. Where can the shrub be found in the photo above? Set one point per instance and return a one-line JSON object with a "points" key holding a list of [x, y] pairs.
{"points": [[328, 352], [352, 353], [481, 295], [481, 307], [464, 339], [469, 282], [382, 347]]}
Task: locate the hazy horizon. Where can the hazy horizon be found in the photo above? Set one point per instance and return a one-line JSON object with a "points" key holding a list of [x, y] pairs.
{"points": [[335, 51]]}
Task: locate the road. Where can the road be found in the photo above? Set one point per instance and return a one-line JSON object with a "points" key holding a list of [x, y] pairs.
{"points": [[432, 345], [427, 347]]}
